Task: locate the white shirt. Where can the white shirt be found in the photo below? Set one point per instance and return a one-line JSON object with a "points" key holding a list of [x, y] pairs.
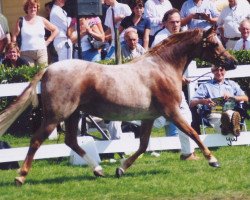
{"points": [[33, 35], [162, 35], [2, 33], [155, 10], [230, 19], [239, 44], [59, 18], [119, 9]]}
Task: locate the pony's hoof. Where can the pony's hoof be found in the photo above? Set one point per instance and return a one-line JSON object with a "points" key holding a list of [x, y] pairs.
{"points": [[214, 164], [119, 172], [98, 173], [19, 181]]}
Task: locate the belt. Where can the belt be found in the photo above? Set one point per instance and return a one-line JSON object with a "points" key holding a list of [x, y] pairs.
{"points": [[234, 39]]}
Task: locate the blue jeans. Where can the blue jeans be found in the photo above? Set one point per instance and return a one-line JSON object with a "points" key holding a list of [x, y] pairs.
{"points": [[111, 53], [92, 55], [172, 130]]}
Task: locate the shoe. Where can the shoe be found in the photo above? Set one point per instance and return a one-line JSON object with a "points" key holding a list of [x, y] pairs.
{"points": [[225, 124], [236, 118], [191, 156]]}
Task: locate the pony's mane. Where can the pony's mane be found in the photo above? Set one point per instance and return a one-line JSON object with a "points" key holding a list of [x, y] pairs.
{"points": [[181, 38]]}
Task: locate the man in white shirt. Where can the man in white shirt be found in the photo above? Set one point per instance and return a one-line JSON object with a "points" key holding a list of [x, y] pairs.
{"points": [[244, 42], [172, 24], [155, 10], [229, 21], [120, 11], [62, 43], [131, 48]]}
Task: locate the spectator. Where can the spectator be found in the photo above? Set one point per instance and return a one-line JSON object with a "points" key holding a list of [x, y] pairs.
{"points": [[137, 21], [118, 11], [229, 21], [227, 89], [172, 24], [155, 10], [12, 56], [131, 48], [62, 43], [33, 46], [244, 42], [52, 55], [88, 28], [199, 14], [4, 35]]}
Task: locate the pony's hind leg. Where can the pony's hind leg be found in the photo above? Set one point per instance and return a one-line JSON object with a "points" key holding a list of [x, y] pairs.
{"points": [[145, 131], [71, 125], [41, 134]]}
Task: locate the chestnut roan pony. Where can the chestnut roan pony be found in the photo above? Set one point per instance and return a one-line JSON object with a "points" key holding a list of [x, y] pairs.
{"points": [[144, 89]]}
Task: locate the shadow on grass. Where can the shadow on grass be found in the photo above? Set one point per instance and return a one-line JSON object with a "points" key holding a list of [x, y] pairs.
{"points": [[63, 179]]}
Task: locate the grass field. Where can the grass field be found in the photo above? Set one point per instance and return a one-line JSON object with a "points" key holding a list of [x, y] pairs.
{"points": [[150, 178]]}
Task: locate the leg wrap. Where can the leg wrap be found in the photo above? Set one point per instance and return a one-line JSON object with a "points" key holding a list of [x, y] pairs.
{"points": [[91, 162]]}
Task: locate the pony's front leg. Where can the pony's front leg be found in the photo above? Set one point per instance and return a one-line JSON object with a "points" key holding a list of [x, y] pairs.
{"points": [[42, 133], [146, 127], [188, 130]]}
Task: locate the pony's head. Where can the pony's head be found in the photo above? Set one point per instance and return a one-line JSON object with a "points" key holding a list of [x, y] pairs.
{"points": [[213, 51]]}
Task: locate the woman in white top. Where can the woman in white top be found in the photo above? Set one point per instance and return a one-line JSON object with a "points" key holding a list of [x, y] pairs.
{"points": [[33, 46]]}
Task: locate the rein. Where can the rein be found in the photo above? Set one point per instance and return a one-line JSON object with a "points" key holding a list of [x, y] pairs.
{"points": [[198, 77]]}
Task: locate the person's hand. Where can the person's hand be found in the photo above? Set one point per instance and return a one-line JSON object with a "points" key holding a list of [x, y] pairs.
{"points": [[208, 102], [227, 96], [195, 15], [205, 16], [185, 80]]}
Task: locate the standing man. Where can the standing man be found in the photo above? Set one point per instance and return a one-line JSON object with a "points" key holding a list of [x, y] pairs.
{"points": [[155, 10], [229, 22], [199, 14], [172, 24], [244, 42], [62, 43], [114, 15]]}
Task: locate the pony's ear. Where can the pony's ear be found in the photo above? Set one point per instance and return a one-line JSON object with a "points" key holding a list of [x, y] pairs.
{"points": [[210, 31]]}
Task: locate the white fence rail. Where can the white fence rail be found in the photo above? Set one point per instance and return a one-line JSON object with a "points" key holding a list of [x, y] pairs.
{"points": [[125, 144]]}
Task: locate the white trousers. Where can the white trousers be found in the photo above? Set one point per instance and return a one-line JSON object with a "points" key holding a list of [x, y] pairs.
{"points": [[64, 48], [215, 120], [186, 143], [115, 130]]}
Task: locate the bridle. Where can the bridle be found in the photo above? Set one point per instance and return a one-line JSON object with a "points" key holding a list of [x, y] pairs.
{"points": [[206, 44]]}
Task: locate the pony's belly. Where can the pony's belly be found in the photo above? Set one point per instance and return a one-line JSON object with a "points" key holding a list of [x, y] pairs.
{"points": [[121, 113]]}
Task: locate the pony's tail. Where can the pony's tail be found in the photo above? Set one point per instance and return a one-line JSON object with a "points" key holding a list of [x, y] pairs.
{"points": [[28, 96]]}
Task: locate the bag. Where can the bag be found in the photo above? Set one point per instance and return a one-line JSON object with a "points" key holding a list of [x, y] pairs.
{"points": [[19, 37], [95, 44]]}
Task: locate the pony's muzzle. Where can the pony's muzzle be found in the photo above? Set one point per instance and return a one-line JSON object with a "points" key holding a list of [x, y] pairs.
{"points": [[231, 65]]}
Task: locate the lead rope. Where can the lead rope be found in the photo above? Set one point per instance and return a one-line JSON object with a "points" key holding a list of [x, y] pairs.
{"points": [[198, 77]]}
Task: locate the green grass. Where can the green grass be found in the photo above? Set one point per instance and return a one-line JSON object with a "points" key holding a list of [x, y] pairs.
{"points": [[150, 178]]}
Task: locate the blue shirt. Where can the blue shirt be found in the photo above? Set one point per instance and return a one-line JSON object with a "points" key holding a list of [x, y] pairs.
{"points": [[207, 7], [143, 24], [213, 89]]}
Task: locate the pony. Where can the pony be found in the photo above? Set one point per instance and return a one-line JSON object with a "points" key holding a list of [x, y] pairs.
{"points": [[143, 89]]}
